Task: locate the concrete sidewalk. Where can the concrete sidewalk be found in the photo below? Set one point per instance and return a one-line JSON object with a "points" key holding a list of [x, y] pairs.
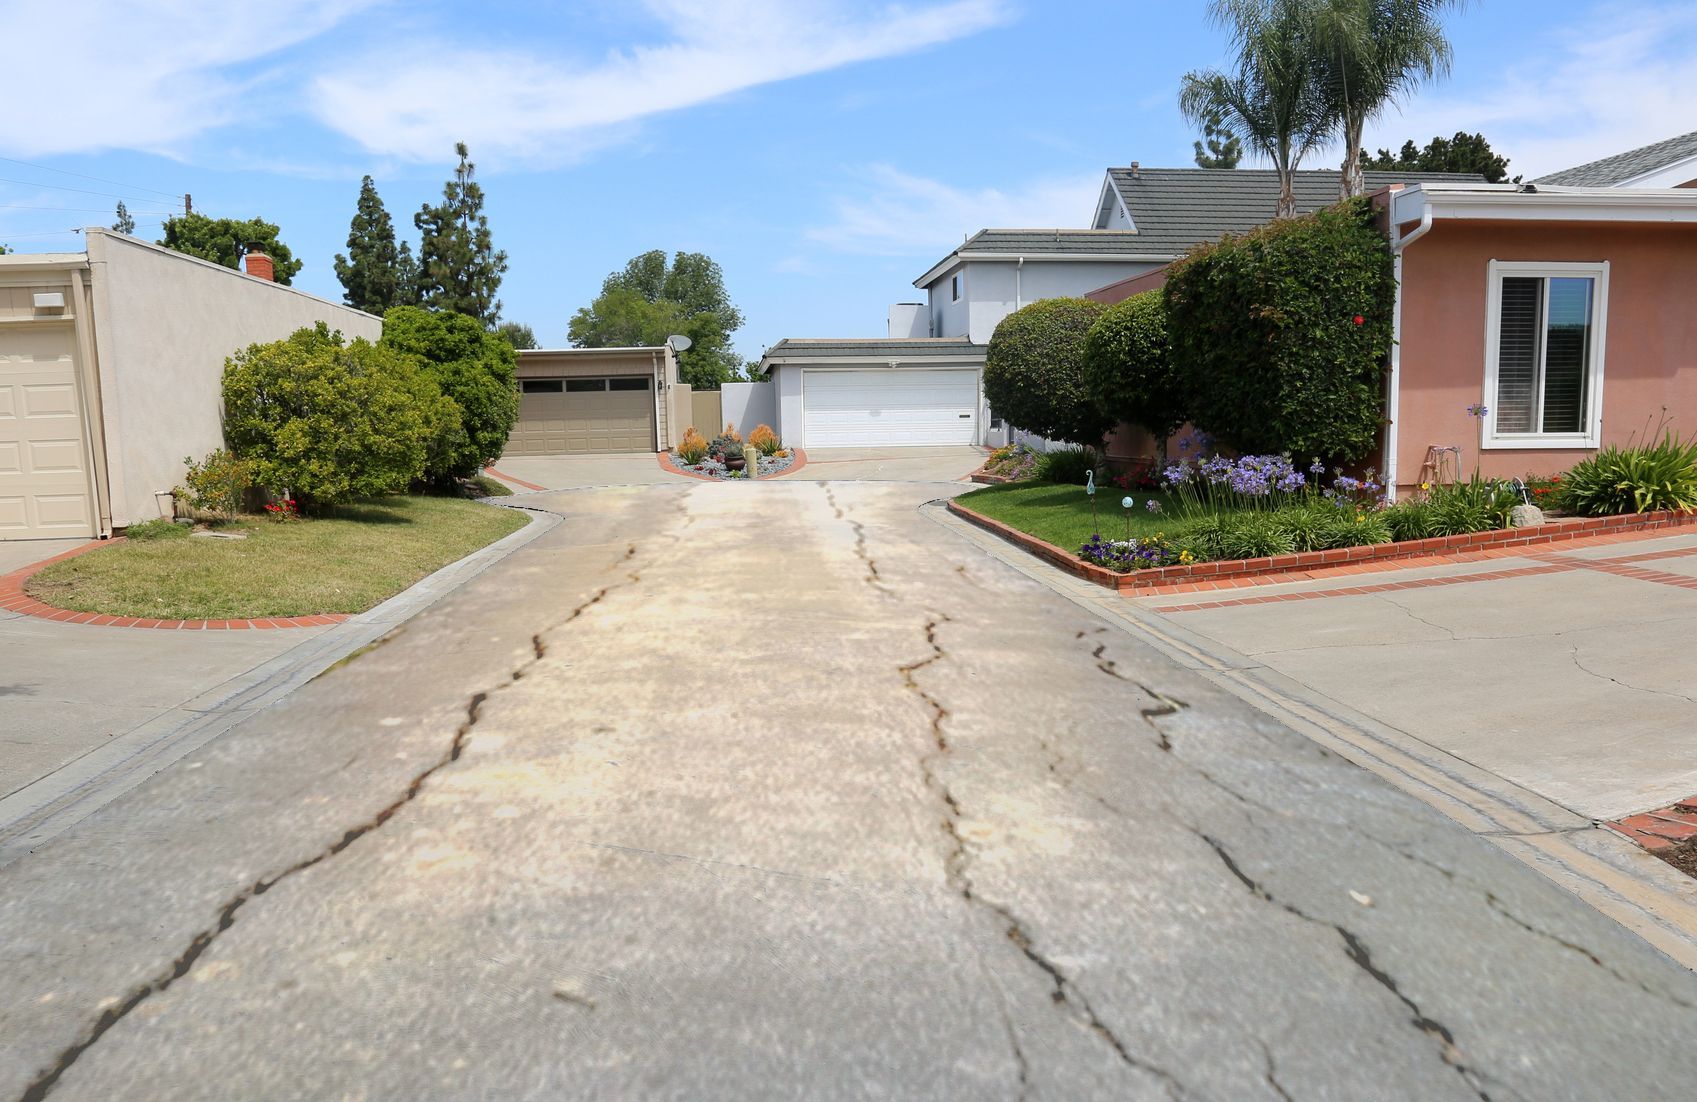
{"points": [[950, 464]]}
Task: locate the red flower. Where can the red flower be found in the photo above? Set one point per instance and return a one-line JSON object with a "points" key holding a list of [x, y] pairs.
{"points": [[1359, 320]]}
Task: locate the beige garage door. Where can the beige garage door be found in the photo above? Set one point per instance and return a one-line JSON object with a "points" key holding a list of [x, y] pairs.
{"points": [[44, 483], [584, 416]]}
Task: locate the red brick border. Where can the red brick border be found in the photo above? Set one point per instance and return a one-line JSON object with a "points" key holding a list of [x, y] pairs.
{"points": [[1662, 828], [14, 599], [666, 464], [519, 482], [1301, 565]]}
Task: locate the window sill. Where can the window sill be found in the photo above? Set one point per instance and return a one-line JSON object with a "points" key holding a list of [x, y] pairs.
{"points": [[1540, 443]]}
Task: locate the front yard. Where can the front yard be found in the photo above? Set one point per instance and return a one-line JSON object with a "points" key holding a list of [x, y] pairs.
{"points": [[1060, 514], [346, 562]]}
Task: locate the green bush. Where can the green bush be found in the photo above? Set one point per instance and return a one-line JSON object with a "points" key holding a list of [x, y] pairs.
{"points": [[1255, 536], [216, 483], [1634, 479], [329, 421], [1128, 367], [1411, 520], [1265, 336], [159, 528], [1069, 466], [475, 369], [1034, 371]]}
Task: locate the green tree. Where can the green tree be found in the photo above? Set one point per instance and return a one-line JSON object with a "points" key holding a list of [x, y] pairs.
{"points": [[1216, 148], [226, 240], [124, 224], [1034, 371], [330, 421], [1276, 103], [368, 273], [407, 276], [521, 337], [1128, 367], [1371, 54], [472, 366], [459, 267], [653, 298], [1463, 153]]}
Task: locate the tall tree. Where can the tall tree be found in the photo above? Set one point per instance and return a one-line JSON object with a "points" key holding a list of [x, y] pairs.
{"points": [[1463, 153], [124, 224], [226, 240], [652, 298], [519, 336], [407, 276], [1371, 54], [459, 267], [1216, 148], [1275, 103], [368, 274]]}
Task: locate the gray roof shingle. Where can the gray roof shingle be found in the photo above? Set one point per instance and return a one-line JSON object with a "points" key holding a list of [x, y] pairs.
{"points": [[1175, 209], [1082, 242], [1615, 170], [876, 348]]}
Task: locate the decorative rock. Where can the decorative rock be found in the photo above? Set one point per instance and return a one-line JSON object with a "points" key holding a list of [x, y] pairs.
{"points": [[1525, 516]]}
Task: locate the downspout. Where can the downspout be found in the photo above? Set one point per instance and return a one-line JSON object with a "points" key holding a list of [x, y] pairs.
{"points": [[93, 409], [1393, 403], [1019, 284]]}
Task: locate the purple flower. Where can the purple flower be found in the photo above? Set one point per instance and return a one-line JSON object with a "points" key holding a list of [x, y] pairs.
{"points": [[1477, 410], [1153, 506]]}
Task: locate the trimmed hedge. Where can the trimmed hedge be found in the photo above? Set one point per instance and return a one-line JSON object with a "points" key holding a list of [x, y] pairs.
{"points": [[1128, 366], [1282, 334], [1034, 371]]}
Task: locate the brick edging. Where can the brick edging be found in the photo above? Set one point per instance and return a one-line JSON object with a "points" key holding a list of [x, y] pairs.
{"points": [[985, 478], [14, 599], [1553, 531], [666, 464], [519, 482], [1662, 828]]}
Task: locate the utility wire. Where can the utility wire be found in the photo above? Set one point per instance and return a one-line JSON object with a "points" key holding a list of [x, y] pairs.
{"points": [[79, 191], [7, 237], [86, 176], [80, 210]]}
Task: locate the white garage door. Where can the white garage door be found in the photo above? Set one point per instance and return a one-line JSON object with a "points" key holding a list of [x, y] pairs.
{"points": [[44, 484], [893, 407]]}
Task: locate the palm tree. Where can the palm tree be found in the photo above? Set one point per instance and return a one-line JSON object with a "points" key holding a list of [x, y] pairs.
{"points": [[1276, 103], [1371, 54]]}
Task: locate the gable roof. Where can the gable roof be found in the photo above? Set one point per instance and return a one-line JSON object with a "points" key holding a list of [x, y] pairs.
{"points": [[1174, 209], [884, 349], [1625, 167], [1046, 244]]}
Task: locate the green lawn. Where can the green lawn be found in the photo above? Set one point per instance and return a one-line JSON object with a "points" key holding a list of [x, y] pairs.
{"points": [[346, 562], [1061, 514]]}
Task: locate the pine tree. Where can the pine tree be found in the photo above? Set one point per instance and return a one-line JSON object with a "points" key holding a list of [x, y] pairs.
{"points": [[406, 276], [1217, 148], [459, 268], [124, 224], [369, 275]]}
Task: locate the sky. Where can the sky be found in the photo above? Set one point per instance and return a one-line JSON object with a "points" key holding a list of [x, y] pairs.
{"points": [[825, 152]]}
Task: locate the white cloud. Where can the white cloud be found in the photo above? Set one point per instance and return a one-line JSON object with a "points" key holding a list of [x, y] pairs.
{"points": [[903, 215], [144, 75], [538, 104], [1615, 80]]}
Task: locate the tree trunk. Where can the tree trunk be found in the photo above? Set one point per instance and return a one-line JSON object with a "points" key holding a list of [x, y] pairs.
{"points": [[1351, 181], [1287, 195]]}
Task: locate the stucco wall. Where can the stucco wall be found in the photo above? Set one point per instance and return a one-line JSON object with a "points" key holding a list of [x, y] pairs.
{"points": [[1649, 360], [995, 289], [787, 379], [164, 324], [749, 405]]}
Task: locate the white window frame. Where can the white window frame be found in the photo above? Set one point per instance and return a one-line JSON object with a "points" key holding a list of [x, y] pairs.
{"points": [[956, 281], [1591, 438]]}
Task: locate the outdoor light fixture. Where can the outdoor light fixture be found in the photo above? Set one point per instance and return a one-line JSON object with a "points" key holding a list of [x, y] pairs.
{"points": [[50, 300]]}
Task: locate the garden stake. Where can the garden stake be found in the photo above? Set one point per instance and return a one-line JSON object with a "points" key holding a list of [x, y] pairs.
{"points": [[1126, 503], [1090, 489]]}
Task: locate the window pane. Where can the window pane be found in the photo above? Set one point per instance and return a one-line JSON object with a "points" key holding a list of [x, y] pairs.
{"points": [[633, 383], [1567, 354], [581, 386], [1517, 352], [542, 386]]}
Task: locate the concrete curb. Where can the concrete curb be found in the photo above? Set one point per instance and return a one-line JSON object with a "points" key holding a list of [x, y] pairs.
{"points": [[51, 804]]}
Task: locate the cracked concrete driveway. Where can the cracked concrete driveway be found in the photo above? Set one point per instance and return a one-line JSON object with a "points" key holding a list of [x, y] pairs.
{"points": [[791, 792]]}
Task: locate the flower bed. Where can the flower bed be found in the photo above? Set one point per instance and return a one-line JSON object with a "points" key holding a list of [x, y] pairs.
{"points": [[714, 468], [1290, 567]]}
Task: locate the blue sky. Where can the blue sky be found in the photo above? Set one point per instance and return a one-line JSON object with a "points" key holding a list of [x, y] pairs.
{"points": [[825, 152]]}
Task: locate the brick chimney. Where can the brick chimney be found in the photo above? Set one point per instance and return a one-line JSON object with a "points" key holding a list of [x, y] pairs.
{"points": [[259, 266]]}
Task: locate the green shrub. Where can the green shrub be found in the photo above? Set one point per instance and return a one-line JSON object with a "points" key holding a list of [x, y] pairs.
{"points": [[1410, 520], [1034, 371], [1012, 461], [216, 483], [1265, 338], [474, 368], [1128, 367], [328, 421], [1068, 466], [693, 448], [1254, 536], [160, 528], [727, 445], [1634, 479]]}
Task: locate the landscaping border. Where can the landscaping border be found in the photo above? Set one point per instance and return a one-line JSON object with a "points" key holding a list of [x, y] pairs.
{"points": [[666, 464], [519, 482], [14, 599], [1243, 571]]}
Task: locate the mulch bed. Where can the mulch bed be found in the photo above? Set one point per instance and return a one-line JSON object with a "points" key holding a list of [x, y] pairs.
{"points": [[1682, 857], [709, 468]]}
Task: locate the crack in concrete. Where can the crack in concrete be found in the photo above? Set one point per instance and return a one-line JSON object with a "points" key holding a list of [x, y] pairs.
{"points": [[48, 1078], [1271, 1074], [873, 578], [1573, 653], [1064, 991], [1502, 909], [1359, 955], [1165, 705]]}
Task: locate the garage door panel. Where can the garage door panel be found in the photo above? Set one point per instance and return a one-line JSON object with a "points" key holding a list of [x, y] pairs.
{"points": [[44, 477], [891, 407], [584, 421]]}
